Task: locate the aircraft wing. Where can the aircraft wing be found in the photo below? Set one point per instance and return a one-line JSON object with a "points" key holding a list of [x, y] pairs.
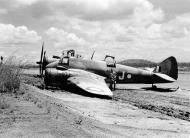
{"points": [[91, 83]]}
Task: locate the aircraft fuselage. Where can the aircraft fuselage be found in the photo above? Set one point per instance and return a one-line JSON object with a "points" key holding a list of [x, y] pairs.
{"points": [[125, 74]]}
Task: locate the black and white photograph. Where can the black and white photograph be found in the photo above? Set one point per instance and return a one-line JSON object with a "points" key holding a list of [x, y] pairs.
{"points": [[95, 68]]}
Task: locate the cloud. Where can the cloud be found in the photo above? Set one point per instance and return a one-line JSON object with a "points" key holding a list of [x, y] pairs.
{"points": [[105, 9], [3, 11], [2, 53], [9, 34], [62, 38], [26, 2], [136, 28], [86, 9], [178, 27], [136, 12], [17, 3], [141, 30], [172, 8]]}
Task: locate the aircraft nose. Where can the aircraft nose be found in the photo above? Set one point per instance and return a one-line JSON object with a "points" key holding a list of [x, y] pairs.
{"points": [[52, 65]]}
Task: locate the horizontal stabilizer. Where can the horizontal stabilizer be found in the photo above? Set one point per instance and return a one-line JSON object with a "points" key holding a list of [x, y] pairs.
{"points": [[164, 77]]}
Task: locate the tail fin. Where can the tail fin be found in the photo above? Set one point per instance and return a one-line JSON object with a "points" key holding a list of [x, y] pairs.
{"points": [[169, 67]]}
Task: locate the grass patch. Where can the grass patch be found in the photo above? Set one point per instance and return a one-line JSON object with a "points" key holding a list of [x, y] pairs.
{"points": [[3, 104], [10, 75]]}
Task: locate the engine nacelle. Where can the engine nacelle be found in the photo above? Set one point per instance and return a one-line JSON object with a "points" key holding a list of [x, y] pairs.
{"points": [[54, 77]]}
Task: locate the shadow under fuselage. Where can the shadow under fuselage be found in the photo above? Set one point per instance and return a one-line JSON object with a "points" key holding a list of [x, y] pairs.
{"points": [[154, 89]]}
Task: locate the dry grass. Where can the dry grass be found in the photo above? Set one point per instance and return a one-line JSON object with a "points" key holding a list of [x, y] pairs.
{"points": [[3, 103], [10, 75]]}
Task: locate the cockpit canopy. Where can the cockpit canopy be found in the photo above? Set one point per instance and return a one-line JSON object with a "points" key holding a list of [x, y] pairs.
{"points": [[110, 61], [70, 53]]}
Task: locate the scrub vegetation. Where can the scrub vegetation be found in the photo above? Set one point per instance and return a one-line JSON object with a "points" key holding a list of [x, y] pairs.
{"points": [[10, 75]]}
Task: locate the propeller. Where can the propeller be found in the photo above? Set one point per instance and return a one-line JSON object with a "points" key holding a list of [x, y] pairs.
{"points": [[41, 62]]}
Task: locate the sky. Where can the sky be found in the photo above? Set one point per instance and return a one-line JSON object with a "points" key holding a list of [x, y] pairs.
{"points": [[126, 29]]}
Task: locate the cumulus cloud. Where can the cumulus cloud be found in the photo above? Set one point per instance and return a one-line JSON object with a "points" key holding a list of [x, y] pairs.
{"points": [[88, 9], [107, 9], [120, 27], [9, 34], [172, 7], [26, 2], [2, 53], [3, 11], [62, 38], [178, 27]]}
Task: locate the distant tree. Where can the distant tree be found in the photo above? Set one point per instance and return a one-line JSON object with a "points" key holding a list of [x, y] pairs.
{"points": [[184, 64]]}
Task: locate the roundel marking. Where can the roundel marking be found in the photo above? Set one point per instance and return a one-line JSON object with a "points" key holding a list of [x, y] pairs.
{"points": [[94, 89], [129, 76]]}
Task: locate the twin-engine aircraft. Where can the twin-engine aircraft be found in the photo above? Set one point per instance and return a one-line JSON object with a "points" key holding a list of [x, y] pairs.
{"points": [[92, 76]]}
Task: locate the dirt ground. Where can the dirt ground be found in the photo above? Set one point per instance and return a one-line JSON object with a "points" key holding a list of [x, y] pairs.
{"points": [[133, 112]]}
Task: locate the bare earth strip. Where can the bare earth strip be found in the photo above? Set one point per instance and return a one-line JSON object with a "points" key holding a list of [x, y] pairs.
{"points": [[92, 117], [176, 104], [58, 113]]}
